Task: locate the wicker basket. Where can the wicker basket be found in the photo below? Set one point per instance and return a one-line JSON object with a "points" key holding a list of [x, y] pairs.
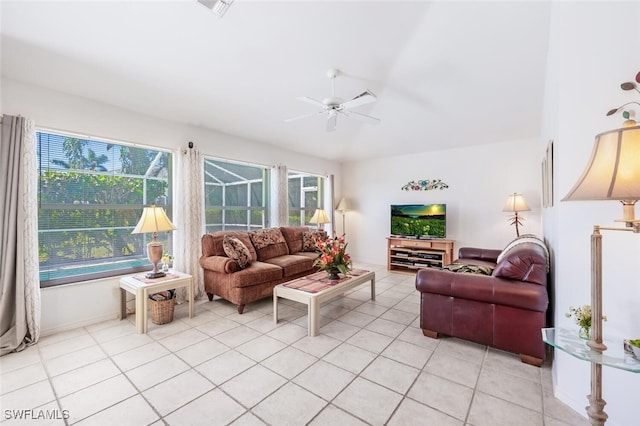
{"points": [[162, 310]]}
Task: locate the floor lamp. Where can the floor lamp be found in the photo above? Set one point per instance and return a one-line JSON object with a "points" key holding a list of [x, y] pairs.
{"points": [[612, 173], [342, 208]]}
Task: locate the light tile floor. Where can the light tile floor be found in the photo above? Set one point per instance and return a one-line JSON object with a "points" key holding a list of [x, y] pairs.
{"points": [[370, 365]]}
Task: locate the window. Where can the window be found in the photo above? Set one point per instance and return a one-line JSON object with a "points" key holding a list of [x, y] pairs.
{"points": [[90, 196], [305, 194], [236, 196]]}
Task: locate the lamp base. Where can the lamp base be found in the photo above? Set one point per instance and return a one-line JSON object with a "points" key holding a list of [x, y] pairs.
{"points": [[151, 275], [154, 252]]}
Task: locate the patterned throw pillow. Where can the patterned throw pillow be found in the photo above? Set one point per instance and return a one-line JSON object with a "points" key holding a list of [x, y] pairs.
{"points": [[468, 269], [265, 237], [236, 250], [309, 239]]}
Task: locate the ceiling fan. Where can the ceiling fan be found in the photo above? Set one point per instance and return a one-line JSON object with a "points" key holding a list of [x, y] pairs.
{"points": [[333, 105]]}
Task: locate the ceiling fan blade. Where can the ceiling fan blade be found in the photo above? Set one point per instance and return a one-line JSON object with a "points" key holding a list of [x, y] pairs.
{"points": [[331, 122], [362, 117], [288, 120], [363, 98], [311, 101]]}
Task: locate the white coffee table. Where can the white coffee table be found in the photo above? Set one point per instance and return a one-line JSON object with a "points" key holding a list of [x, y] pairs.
{"points": [[313, 300], [141, 287]]}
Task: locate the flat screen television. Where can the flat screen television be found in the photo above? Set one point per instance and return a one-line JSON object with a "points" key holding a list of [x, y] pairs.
{"points": [[419, 220]]}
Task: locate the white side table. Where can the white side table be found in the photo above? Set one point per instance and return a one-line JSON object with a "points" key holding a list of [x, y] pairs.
{"points": [[141, 287]]}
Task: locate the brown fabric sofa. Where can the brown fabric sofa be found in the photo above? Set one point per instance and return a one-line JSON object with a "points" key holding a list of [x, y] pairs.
{"points": [[279, 258], [504, 310]]}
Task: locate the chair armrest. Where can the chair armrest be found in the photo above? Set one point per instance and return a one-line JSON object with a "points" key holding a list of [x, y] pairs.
{"points": [[483, 288], [430, 280], [487, 255], [220, 264]]}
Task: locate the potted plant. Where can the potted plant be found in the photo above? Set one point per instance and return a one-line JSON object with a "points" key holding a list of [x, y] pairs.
{"points": [[333, 257], [635, 347], [167, 261], [582, 317]]}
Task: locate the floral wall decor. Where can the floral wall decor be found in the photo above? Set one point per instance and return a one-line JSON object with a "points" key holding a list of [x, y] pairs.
{"points": [[424, 185]]}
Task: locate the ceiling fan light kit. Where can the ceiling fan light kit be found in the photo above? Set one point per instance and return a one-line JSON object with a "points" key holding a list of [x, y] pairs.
{"points": [[219, 7], [334, 105]]}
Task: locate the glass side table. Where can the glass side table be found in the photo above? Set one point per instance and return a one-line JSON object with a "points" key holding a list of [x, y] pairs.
{"points": [[568, 341]]}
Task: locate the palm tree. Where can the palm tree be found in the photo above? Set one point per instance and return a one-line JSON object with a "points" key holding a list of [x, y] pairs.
{"points": [[94, 162], [74, 151]]}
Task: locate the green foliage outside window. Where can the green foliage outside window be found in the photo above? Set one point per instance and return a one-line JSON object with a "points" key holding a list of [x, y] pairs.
{"points": [[91, 195]]}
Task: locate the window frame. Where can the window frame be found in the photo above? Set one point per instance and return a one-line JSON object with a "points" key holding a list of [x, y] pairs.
{"points": [[139, 261], [319, 188]]}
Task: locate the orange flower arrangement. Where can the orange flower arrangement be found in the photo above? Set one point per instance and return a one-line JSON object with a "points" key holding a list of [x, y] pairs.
{"points": [[333, 255]]}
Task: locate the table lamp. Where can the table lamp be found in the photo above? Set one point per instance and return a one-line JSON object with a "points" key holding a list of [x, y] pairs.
{"points": [[319, 218], [154, 219], [516, 203]]}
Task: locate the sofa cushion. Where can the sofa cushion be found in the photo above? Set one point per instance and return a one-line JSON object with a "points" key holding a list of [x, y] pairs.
{"points": [[269, 243], [313, 255], [293, 236], [481, 254], [254, 274], [292, 264], [236, 250], [309, 239]]}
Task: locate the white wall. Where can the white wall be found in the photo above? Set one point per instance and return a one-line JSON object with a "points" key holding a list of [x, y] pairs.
{"points": [[592, 53], [479, 178], [79, 304]]}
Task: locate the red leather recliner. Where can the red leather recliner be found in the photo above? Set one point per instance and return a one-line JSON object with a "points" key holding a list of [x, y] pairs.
{"points": [[505, 310]]}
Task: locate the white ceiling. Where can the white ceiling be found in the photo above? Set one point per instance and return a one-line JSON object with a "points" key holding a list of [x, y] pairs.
{"points": [[446, 73]]}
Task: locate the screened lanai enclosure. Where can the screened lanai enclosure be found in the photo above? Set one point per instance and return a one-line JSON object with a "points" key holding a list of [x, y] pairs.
{"points": [[237, 196], [305, 194]]}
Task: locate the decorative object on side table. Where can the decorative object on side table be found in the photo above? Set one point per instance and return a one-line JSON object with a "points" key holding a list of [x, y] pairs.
{"points": [[635, 347], [516, 203], [162, 305], [154, 220], [612, 173], [582, 317], [333, 256], [167, 262]]}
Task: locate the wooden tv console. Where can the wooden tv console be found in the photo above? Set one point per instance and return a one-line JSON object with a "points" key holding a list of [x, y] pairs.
{"points": [[409, 255]]}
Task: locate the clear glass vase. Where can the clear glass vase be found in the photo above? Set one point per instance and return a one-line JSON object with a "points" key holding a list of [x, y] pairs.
{"points": [[585, 333]]}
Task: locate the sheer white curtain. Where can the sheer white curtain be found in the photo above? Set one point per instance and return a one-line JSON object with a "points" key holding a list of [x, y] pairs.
{"points": [[189, 218], [279, 201], [19, 280], [329, 208]]}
